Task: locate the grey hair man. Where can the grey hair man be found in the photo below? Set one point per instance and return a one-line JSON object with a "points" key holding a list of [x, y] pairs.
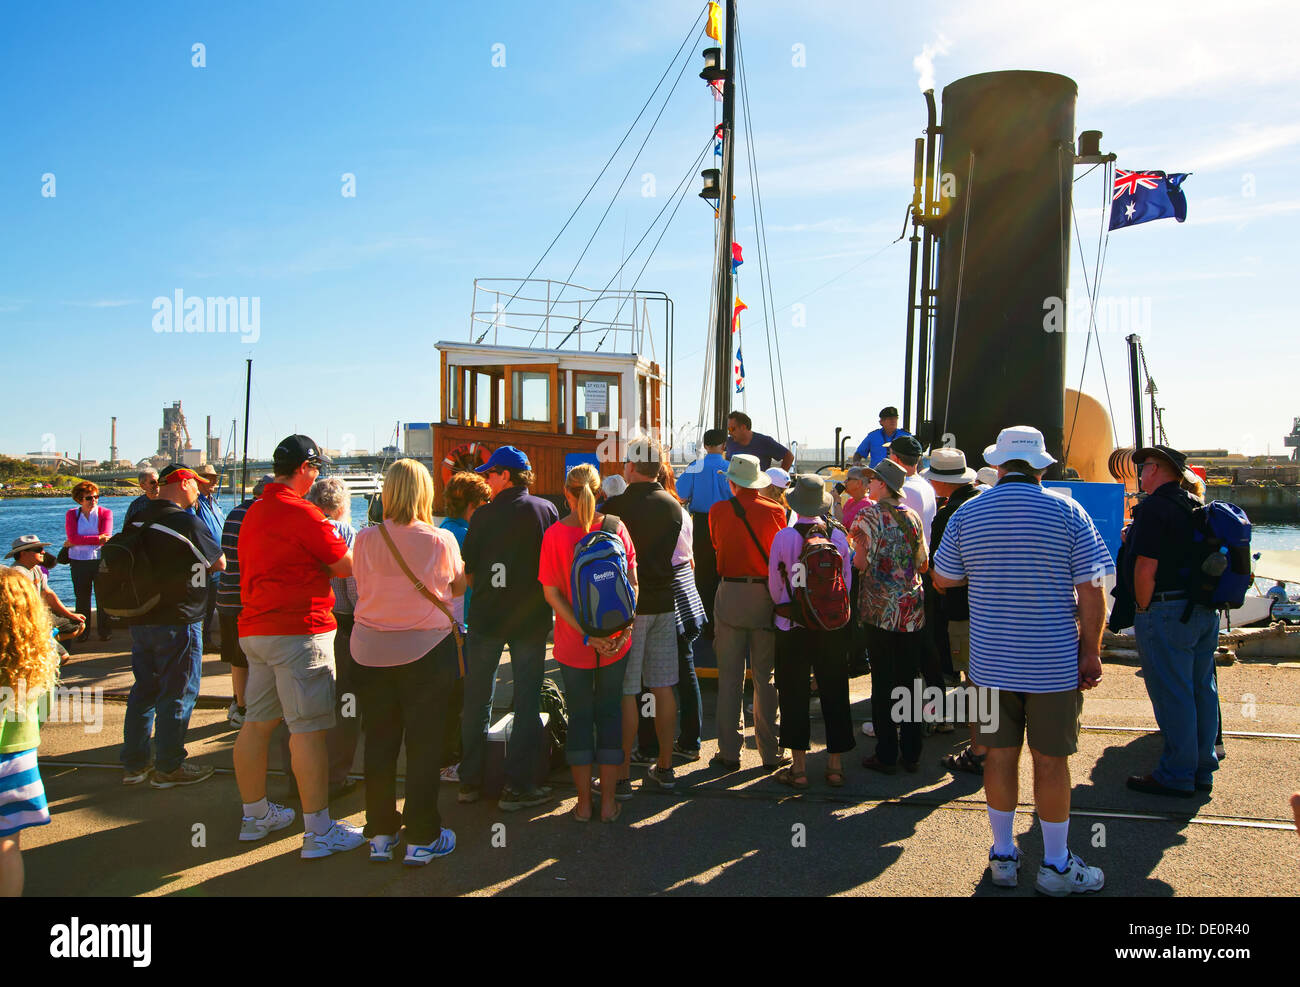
{"points": [[148, 480]]}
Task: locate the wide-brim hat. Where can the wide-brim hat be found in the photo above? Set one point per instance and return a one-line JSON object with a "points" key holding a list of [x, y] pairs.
{"points": [[807, 495], [208, 471], [743, 470], [949, 466], [1019, 442], [1170, 455], [890, 474], [25, 543]]}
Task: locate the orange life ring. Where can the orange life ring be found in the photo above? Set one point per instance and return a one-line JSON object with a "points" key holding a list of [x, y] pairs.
{"points": [[463, 458]]}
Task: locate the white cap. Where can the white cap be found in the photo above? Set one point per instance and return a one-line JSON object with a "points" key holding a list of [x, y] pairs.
{"points": [[779, 477], [613, 485]]}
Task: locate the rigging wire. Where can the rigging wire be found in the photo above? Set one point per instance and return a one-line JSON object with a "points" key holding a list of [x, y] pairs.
{"points": [[765, 257], [691, 33], [619, 188]]}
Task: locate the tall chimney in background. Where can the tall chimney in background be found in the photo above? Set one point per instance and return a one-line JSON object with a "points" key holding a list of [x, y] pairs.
{"points": [[112, 444]]}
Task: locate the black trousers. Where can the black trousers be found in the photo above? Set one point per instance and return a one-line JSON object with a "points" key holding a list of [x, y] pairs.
{"points": [[937, 653], [895, 666], [83, 584], [706, 565], [825, 654], [341, 739], [406, 702], [857, 636]]}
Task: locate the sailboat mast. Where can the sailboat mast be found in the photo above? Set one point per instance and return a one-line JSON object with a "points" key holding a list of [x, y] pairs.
{"points": [[723, 358], [248, 393]]}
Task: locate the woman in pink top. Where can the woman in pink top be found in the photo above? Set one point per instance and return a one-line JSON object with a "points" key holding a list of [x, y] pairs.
{"points": [[87, 528], [593, 672], [407, 661]]}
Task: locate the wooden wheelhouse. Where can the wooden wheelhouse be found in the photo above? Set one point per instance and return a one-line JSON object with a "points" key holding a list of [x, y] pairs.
{"points": [[567, 376]]}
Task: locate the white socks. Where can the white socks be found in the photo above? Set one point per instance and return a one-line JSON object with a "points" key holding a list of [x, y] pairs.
{"points": [[1055, 837], [1004, 844], [317, 822], [257, 810]]}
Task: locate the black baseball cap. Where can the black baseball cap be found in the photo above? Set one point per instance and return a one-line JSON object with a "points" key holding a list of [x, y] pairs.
{"points": [[889, 412], [296, 450], [905, 445]]}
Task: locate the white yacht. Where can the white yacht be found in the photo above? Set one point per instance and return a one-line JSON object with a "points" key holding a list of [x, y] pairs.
{"points": [[361, 483]]}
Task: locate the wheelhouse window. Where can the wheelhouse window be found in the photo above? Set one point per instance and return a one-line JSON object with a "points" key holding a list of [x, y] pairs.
{"points": [[595, 401], [530, 396]]}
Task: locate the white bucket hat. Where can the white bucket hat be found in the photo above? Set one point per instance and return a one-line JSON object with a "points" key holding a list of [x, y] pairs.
{"points": [[1019, 442], [948, 466]]}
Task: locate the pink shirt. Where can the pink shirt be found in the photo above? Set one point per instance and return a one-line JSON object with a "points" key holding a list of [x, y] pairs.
{"points": [[84, 531], [395, 623], [852, 507]]}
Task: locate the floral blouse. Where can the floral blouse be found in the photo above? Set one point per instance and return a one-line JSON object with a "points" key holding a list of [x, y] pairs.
{"points": [[892, 559]]}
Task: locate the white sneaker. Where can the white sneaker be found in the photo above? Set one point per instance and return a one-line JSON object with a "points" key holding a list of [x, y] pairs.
{"points": [[1077, 879], [1005, 871], [341, 837], [869, 729], [418, 856], [277, 817], [382, 847], [233, 716]]}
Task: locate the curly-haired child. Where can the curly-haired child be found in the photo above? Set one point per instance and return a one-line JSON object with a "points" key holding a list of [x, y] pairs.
{"points": [[29, 665]]}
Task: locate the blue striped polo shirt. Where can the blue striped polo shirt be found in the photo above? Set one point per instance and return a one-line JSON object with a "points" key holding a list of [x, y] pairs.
{"points": [[1023, 549]]}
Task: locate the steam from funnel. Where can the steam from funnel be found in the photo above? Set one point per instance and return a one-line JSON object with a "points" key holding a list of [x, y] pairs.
{"points": [[924, 62]]}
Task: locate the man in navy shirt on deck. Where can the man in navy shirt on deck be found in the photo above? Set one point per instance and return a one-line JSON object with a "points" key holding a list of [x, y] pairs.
{"points": [[875, 447], [743, 440]]}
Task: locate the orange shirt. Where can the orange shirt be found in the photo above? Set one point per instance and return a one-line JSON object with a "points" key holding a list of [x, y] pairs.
{"points": [[737, 554]]}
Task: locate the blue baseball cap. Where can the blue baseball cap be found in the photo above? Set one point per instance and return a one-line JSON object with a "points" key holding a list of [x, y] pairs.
{"points": [[505, 458]]}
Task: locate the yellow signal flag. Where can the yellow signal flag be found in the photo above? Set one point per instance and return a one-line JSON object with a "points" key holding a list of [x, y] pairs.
{"points": [[712, 29]]}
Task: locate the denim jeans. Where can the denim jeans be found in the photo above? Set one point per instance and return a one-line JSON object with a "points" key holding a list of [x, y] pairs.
{"points": [[1178, 667], [527, 663], [167, 660], [594, 698]]}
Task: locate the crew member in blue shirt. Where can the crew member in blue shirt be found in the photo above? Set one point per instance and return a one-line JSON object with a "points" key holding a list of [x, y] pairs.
{"points": [[874, 446], [700, 486]]}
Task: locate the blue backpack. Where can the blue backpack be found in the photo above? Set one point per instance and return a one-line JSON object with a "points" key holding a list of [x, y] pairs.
{"points": [[604, 601], [1218, 575]]}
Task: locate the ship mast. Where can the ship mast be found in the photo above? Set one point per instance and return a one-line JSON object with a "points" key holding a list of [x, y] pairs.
{"points": [[723, 357]]}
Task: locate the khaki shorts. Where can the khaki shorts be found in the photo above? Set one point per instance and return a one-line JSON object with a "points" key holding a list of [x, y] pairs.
{"points": [[290, 676], [1051, 720], [959, 644]]}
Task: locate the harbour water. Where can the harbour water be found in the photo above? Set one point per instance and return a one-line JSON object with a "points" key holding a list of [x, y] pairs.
{"points": [[43, 516]]}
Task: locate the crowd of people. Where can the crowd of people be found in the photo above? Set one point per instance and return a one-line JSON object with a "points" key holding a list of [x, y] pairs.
{"points": [[396, 631]]}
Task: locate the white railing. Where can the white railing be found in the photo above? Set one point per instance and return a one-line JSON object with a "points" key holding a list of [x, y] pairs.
{"points": [[545, 314]]}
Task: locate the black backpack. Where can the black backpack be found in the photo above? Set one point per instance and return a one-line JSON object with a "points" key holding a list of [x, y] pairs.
{"points": [[128, 583], [557, 726]]}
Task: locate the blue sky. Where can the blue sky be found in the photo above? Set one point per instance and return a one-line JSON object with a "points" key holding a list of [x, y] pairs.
{"points": [[226, 180]]}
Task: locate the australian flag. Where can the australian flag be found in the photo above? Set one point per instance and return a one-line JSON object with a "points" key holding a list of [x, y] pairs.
{"points": [[1141, 196]]}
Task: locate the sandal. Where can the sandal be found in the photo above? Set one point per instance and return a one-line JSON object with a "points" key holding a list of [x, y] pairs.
{"points": [[573, 813], [835, 777], [618, 811], [787, 776], [965, 760]]}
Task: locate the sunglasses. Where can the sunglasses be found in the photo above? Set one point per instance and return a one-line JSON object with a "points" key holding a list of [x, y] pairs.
{"points": [[86, 497]]}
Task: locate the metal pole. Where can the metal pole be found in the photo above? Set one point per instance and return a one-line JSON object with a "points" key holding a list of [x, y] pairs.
{"points": [[1135, 389], [722, 384], [917, 170], [248, 390], [839, 461], [927, 256]]}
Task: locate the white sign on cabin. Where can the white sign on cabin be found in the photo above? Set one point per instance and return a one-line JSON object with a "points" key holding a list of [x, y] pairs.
{"points": [[596, 395]]}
